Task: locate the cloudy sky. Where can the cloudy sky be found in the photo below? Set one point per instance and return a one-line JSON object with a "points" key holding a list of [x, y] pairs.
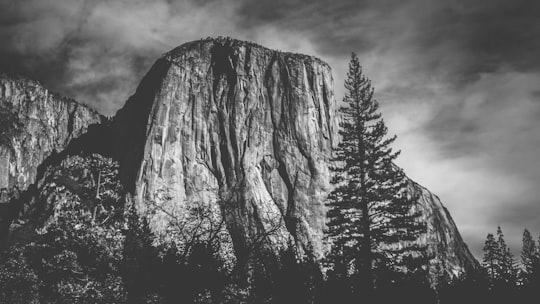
{"points": [[458, 80]]}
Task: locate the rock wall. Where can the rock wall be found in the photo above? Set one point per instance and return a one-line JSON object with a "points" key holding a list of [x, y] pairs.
{"points": [[238, 125], [220, 125], [451, 256], [247, 129], [36, 124]]}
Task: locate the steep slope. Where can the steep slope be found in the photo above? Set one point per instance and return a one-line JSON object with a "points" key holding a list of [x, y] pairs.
{"points": [[249, 131], [37, 124]]}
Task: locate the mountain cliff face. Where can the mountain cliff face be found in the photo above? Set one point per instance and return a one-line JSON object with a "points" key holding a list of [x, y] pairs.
{"points": [[35, 124], [248, 130], [451, 256]]}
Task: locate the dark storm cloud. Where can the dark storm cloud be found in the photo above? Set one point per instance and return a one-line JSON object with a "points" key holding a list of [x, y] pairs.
{"points": [[52, 41], [491, 32], [97, 51], [465, 37], [336, 27], [502, 32]]}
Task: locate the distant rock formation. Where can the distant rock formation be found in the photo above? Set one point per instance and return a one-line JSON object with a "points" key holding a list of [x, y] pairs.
{"points": [[35, 125]]}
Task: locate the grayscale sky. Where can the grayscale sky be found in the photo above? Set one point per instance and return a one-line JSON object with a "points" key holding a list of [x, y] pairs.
{"points": [[458, 80]]}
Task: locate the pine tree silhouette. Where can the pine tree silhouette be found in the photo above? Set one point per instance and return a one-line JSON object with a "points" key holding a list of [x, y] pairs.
{"points": [[370, 214]]}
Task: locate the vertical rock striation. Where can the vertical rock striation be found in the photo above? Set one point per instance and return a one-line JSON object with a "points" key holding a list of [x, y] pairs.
{"points": [[35, 124], [238, 125], [250, 131]]}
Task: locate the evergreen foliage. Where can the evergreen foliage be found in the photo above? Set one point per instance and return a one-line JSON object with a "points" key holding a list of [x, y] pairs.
{"points": [[75, 255], [529, 253], [530, 274], [491, 257], [371, 217], [498, 261]]}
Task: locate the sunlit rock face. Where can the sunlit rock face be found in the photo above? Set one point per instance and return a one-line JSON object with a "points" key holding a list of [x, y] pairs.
{"points": [[234, 124], [35, 124], [231, 124]]}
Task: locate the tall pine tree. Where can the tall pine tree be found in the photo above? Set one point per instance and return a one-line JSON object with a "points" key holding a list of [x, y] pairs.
{"points": [[491, 257], [507, 262], [498, 261], [370, 213], [528, 253]]}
